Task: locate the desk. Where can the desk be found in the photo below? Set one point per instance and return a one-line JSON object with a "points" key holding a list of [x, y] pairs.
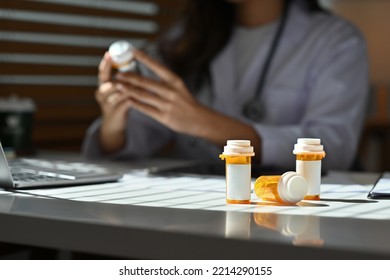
{"points": [[134, 231]]}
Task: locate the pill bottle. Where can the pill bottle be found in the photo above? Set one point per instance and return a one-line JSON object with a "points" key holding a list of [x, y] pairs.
{"points": [[288, 188], [309, 154], [238, 155], [121, 53]]}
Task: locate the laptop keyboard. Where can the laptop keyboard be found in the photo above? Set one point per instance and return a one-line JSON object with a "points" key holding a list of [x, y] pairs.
{"points": [[22, 172], [28, 175], [75, 168]]}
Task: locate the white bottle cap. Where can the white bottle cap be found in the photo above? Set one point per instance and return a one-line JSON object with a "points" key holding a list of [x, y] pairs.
{"points": [[292, 187], [121, 52], [308, 146], [238, 148]]}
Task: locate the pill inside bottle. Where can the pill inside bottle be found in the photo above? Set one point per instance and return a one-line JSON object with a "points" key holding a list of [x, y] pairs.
{"points": [[288, 188], [121, 53]]}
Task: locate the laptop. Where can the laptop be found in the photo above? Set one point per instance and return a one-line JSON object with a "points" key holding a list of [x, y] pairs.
{"points": [[31, 173]]}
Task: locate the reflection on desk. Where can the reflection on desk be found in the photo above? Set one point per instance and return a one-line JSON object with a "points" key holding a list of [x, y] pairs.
{"points": [[304, 230]]}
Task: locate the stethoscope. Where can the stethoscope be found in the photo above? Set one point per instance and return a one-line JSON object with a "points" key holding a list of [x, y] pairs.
{"points": [[254, 109]]}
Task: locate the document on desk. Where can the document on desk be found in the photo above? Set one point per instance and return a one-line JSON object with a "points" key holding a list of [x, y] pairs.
{"points": [[208, 193], [381, 189]]}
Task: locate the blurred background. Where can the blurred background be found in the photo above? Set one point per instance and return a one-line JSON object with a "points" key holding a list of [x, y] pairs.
{"points": [[50, 50]]}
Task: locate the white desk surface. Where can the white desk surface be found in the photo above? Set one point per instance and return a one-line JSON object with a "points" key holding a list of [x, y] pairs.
{"points": [[346, 198], [187, 217]]}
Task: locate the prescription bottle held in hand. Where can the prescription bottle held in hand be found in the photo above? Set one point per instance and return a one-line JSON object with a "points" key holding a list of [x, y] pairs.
{"points": [[238, 154], [121, 53]]}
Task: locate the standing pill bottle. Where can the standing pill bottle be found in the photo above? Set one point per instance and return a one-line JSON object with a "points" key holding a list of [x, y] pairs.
{"points": [[121, 53], [238, 154], [288, 188], [309, 153]]}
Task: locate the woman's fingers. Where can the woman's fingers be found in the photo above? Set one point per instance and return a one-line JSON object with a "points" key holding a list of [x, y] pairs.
{"points": [[105, 69], [147, 84], [104, 91], [142, 96], [119, 102], [110, 98], [148, 110], [161, 71]]}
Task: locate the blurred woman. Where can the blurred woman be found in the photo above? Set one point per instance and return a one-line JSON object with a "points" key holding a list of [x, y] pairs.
{"points": [[270, 71]]}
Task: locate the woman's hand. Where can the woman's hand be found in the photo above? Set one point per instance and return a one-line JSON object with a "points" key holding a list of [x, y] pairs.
{"points": [[114, 106], [167, 100]]}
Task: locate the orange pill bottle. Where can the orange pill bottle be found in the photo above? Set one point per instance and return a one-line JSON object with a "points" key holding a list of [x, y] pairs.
{"points": [[238, 154], [288, 188], [309, 154]]}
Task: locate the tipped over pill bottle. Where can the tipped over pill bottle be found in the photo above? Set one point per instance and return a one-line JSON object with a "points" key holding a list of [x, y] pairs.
{"points": [[288, 188], [309, 154], [121, 53], [238, 154]]}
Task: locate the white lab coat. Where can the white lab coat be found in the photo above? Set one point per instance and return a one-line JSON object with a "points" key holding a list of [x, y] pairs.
{"points": [[317, 86]]}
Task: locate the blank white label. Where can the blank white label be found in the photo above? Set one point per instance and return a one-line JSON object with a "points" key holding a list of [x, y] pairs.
{"points": [[311, 171], [238, 181]]}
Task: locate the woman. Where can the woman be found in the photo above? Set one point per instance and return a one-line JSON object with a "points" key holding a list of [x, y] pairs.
{"points": [[301, 72]]}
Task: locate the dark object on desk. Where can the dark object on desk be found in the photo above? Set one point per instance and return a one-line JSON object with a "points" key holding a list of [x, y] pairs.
{"points": [[27, 173], [381, 189], [209, 169]]}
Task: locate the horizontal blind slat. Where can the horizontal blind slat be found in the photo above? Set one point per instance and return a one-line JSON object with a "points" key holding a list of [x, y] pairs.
{"points": [[21, 71], [46, 59], [25, 47], [65, 40], [63, 80], [77, 9], [137, 7], [146, 26]]}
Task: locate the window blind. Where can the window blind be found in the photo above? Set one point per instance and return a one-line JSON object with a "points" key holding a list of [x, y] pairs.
{"points": [[50, 51]]}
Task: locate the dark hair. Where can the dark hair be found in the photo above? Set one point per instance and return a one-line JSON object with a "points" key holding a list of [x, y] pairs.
{"points": [[200, 33]]}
